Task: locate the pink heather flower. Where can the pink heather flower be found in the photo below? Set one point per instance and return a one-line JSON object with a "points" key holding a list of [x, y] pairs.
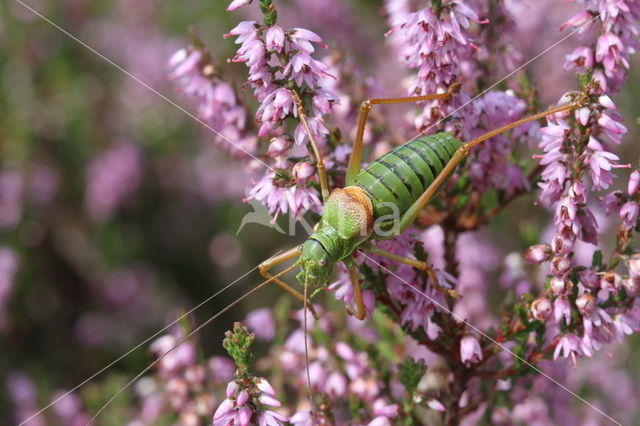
{"points": [[436, 405], [216, 100], [589, 278], [265, 387], [262, 322], [623, 325], [541, 309], [616, 38], [241, 407], [562, 308], [296, 200], [318, 130], [580, 59], [275, 38], [612, 202], [302, 39], [335, 385], [237, 3], [538, 253], [577, 20], [302, 418], [112, 177], [470, 350], [431, 44], [568, 346], [302, 68], [271, 418], [383, 408], [490, 167], [612, 126], [277, 106], [380, 421], [608, 50], [629, 214]]}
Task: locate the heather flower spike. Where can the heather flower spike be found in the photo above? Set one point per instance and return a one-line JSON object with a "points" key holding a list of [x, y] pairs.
{"points": [[248, 398]]}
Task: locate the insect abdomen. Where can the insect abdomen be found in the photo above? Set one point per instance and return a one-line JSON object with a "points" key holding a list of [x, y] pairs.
{"points": [[400, 176]]}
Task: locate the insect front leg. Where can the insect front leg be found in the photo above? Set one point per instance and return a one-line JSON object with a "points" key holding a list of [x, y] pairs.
{"points": [[360, 311], [355, 161], [322, 171], [423, 266], [276, 260]]}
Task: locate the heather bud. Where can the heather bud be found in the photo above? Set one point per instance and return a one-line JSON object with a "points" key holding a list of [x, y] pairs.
{"points": [[611, 281], [541, 309], [269, 400], [232, 389], [278, 146], [470, 350], [303, 171], [236, 4], [560, 287], [243, 397], [538, 253], [560, 266], [589, 278], [586, 304], [606, 102], [583, 115], [563, 243], [264, 386]]}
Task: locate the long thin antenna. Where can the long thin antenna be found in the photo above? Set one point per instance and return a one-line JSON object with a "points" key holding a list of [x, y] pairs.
{"points": [[306, 348], [181, 341]]}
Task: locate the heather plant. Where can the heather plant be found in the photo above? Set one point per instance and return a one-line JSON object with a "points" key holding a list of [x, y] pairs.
{"points": [[527, 306]]}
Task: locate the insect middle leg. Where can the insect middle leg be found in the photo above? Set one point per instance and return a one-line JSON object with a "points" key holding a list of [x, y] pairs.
{"points": [[277, 259], [355, 161], [423, 266]]}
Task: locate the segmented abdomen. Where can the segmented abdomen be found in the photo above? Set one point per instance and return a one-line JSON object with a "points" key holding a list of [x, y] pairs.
{"points": [[400, 176]]}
